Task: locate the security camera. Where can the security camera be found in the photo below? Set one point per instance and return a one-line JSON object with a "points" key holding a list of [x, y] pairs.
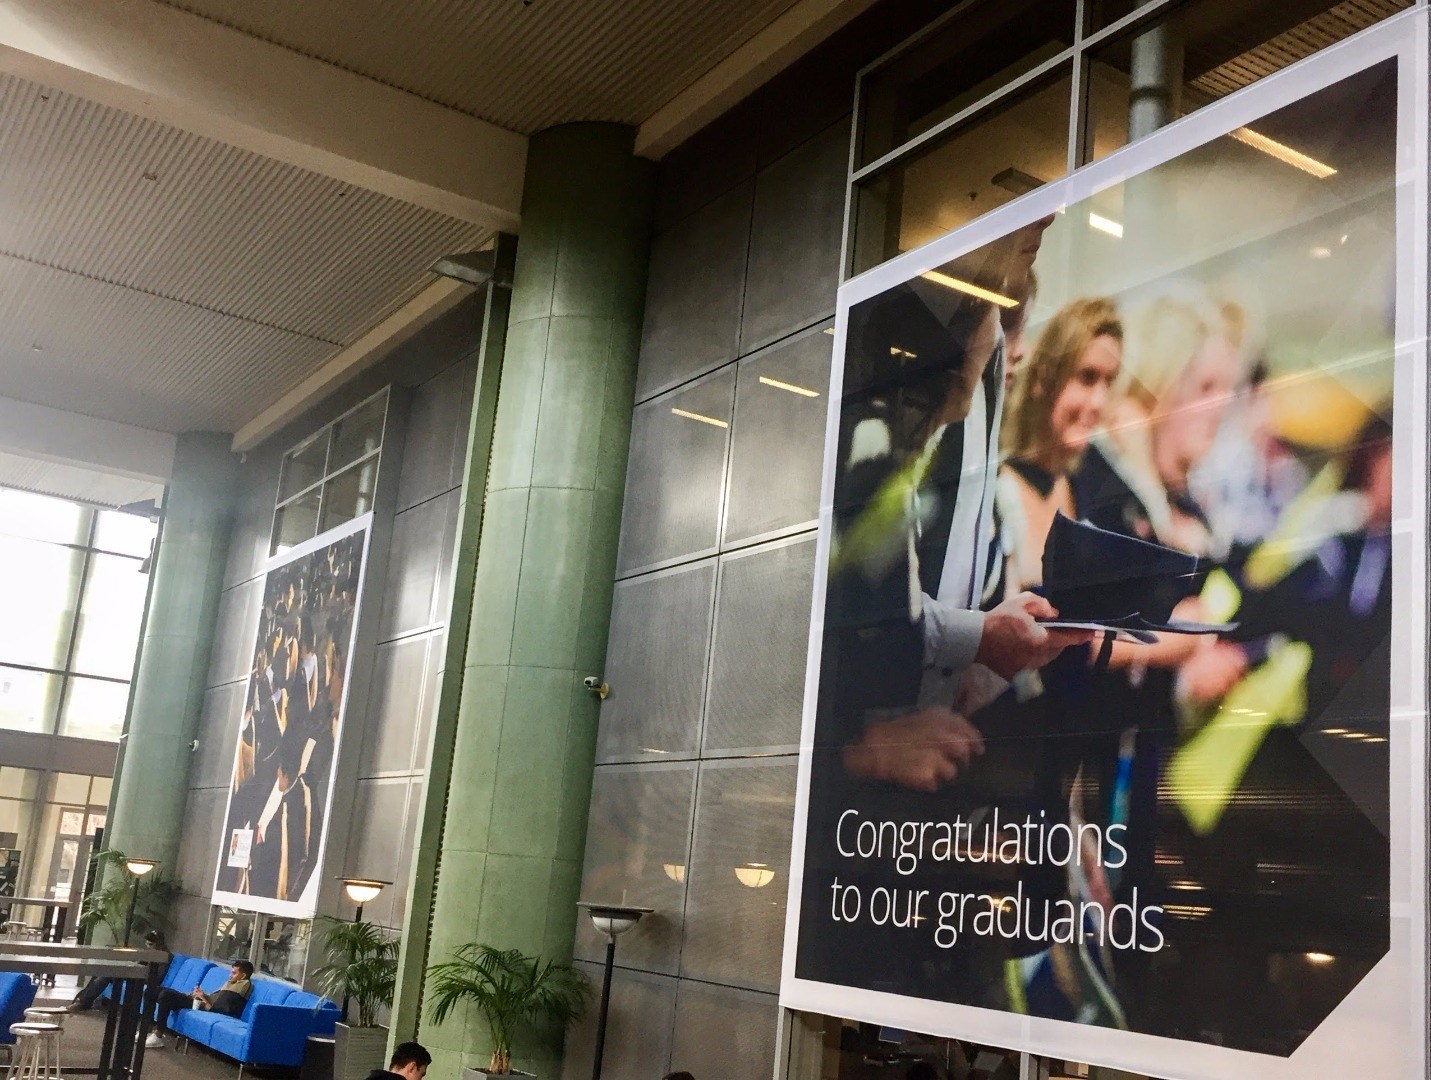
{"points": [[596, 686]]}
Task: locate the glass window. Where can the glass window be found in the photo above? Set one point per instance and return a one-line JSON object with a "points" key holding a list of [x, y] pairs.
{"points": [[16, 783], [94, 709], [359, 433], [1019, 147], [40, 583], [349, 494], [1204, 51], [329, 478], [981, 49], [231, 937], [42, 518], [283, 952], [124, 534], [111, 617], [28, 699], [69, 788], [295, 522], [304, 467]]}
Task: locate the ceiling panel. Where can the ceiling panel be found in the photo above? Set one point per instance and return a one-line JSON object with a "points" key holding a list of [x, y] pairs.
{"points": [[524, 66], [74, 482], [138, 358], [100, 192]]}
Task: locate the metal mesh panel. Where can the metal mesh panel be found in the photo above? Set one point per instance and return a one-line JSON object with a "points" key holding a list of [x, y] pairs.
{"points": [[637, 847], [436, 440], [697, 275], [795, 238], [638, 1028], [674, 474], [734, 931], [377, 809], [761, 638], [199, 843], [218, 734], [422, 539], [235, 631], [724, 1032], [656, 664], [779, 438], [393, 700]]}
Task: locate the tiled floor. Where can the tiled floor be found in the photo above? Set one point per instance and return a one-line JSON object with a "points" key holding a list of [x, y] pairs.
{"points": [[79, 1048]]}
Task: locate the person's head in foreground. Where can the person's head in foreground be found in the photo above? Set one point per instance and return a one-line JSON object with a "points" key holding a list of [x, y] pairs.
{"points": [[240, 971], [678, 1076], [410, 1061]]}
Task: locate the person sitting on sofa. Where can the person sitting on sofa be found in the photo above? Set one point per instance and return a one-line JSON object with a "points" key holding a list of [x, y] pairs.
{"points": [[410, 1062], [228, 999]]}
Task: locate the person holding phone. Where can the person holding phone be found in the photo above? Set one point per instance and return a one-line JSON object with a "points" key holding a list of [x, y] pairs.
{"points": [[228, 999]]}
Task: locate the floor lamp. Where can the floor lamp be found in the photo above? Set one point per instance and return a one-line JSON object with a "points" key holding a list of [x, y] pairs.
{"points": [[613, 920]]}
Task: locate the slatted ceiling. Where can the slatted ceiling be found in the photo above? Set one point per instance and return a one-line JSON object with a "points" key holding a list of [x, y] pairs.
{"points": [[216, 227], [139, 358], [1317, 33], [73, 482], [521, 66]]}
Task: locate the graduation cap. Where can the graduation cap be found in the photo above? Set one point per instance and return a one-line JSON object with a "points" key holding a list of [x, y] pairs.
{"points": [[1101, 580]]}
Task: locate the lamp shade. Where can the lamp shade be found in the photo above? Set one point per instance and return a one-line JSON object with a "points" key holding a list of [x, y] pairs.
{"points": [[140, 867], [361, 890], [613, 919]]}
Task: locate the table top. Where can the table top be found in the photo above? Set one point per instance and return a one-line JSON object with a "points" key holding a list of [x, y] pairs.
{"points": [[74, 965]]}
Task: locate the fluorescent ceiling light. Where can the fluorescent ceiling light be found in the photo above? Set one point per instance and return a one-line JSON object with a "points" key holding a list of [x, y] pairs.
{"points": [[959, 285], [1283, 153], [802, 391], [711, 420], [1103, 224]]}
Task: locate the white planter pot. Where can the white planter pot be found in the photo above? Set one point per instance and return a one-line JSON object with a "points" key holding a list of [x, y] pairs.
{"points": [[357, 1051]]}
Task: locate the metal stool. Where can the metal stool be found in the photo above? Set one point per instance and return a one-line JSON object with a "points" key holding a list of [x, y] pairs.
{"points": [[49, 1014], [37, 1051]]}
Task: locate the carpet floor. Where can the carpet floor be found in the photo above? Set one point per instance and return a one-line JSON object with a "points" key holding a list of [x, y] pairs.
{"points": [[79, 1048]]}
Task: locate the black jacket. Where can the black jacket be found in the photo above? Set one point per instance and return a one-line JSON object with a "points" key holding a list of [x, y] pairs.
{"points": [[382, 1074]]}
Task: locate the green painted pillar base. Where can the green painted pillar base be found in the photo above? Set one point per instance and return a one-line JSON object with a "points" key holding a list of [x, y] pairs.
{"points": [[152, 782], [517, 801]]}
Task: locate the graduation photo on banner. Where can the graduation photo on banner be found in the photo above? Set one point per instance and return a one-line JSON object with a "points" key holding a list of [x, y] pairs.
{"points": [[1098, 725], [282, 777]]}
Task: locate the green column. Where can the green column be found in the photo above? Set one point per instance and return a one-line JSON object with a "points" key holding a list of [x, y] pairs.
{"points": [[169, 681], [520, 781]]}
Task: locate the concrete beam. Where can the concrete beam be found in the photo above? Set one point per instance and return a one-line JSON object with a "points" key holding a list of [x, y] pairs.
{"points": [[424, 308], [67, 438], [791, 36], [179, 69]]}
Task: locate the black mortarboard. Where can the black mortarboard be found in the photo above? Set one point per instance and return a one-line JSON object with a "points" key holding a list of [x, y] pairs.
{"points": [[1101, 580]]}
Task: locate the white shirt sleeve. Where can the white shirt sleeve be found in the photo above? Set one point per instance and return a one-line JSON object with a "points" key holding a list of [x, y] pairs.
{"points": [[951, 636]]}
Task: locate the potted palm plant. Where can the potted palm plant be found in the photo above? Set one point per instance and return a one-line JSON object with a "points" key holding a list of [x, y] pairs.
{"points": [[511, 991], [361, 970]]}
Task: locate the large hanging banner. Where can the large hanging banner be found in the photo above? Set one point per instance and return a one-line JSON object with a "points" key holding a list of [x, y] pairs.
{"points": [[281, 787], [1114, 742]]}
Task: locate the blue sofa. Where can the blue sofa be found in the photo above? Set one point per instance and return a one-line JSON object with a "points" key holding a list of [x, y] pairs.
{"points": [[17, 993], [274, 1026]]}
